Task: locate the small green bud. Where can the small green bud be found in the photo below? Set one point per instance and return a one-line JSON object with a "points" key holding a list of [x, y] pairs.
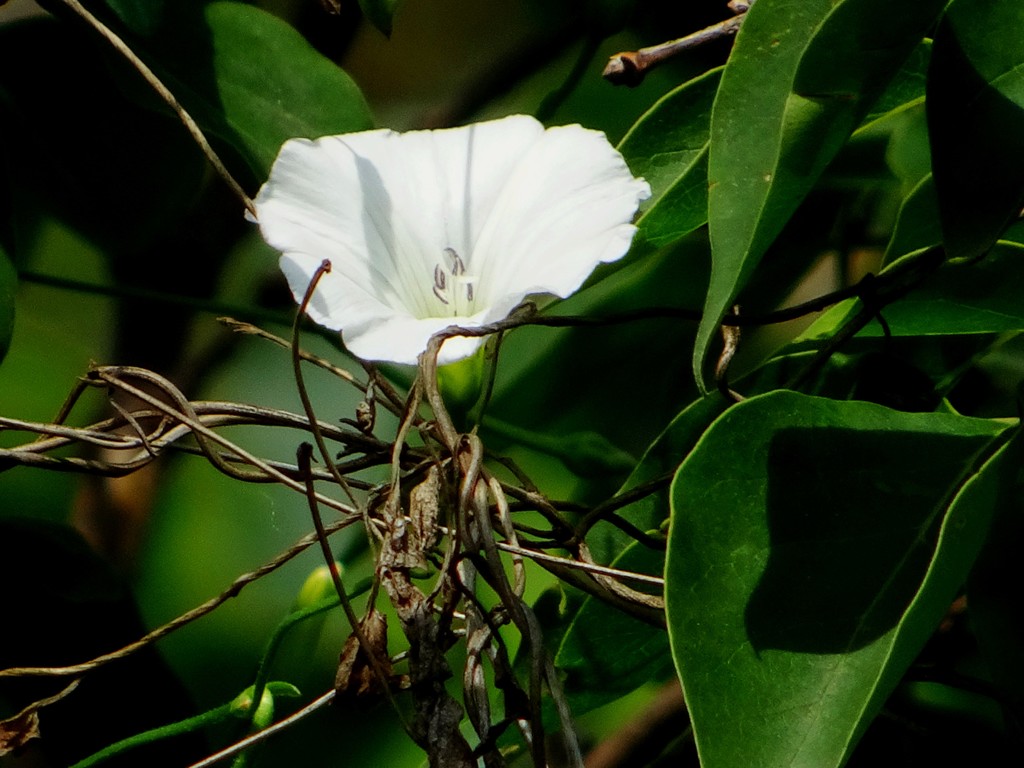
{"points": [[241, 706], [318, 586]]}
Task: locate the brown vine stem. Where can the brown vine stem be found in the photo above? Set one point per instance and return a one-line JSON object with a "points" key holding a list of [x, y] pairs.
{"points": [[266, 733], [18, 729], [112, 376], [566, 562], [606, 509], [630, 67], [164, 93], [307, 404], [730, 344], [305, 453], [638, 741], [209, 413], [186, 618], [240, 326]]}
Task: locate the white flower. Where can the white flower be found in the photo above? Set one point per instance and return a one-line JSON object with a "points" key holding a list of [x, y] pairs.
{"points": [[429, 229]]}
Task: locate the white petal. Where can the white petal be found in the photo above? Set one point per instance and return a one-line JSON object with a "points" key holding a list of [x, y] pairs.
{"points": [[381, 334], [405, 337], [525, 210], [566, 209]]}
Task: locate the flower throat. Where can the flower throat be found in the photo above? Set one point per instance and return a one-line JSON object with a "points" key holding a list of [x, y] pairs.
{"points": [[452, 286]]}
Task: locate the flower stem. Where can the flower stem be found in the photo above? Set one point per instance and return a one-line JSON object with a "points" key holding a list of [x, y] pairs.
{"points": [[461, 384], [212, 717]]}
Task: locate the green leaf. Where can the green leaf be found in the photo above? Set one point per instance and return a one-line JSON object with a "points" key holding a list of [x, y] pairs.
{"points": [[663, 457], [8, 288], [247, 78], [976, 118], [993, 587], [273, 86], [917, 225], [668, 146], [591, 653], [800, 78], [908, 153], [906, 89], [815, 545], [380, 13], [962, 298], [606, 653]]}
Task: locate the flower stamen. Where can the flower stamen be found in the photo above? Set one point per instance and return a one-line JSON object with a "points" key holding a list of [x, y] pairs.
{"points": [[440, 283], [456, 269]]}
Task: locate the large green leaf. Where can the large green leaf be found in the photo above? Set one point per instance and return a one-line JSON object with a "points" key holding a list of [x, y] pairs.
{"points": [[246, 76], [799, 80], [976, 118], [815, 545], [668, 146], [272, 85]]}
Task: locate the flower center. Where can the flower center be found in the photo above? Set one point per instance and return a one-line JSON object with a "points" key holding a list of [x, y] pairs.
{"points": [[452, 286]]}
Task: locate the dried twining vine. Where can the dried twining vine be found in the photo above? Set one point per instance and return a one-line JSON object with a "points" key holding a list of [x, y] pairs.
{"points": [[442, 526]]}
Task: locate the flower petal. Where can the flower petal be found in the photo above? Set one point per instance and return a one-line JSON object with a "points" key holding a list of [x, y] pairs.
{"points": [[429, 229], [378, 333], [566, 209], [405, 337]]}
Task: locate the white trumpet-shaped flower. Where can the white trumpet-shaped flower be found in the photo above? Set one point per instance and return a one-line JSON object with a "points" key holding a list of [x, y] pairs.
{"points": [[429, 229]]}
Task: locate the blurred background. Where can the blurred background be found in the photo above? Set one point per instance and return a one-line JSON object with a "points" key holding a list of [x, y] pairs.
{"points": [[129, 249]]}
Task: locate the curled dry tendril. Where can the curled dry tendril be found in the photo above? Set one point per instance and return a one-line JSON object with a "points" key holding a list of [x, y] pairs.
{"points": [[442, 510]]}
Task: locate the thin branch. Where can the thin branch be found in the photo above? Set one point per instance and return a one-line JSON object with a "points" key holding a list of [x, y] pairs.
{"points": [[210, 413], [630, 67], [249, 329], [123, 291], [111, 376], [266, 733], [186, 618], [606, 509], [566, 562], [155, 83], [307, 404]]}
